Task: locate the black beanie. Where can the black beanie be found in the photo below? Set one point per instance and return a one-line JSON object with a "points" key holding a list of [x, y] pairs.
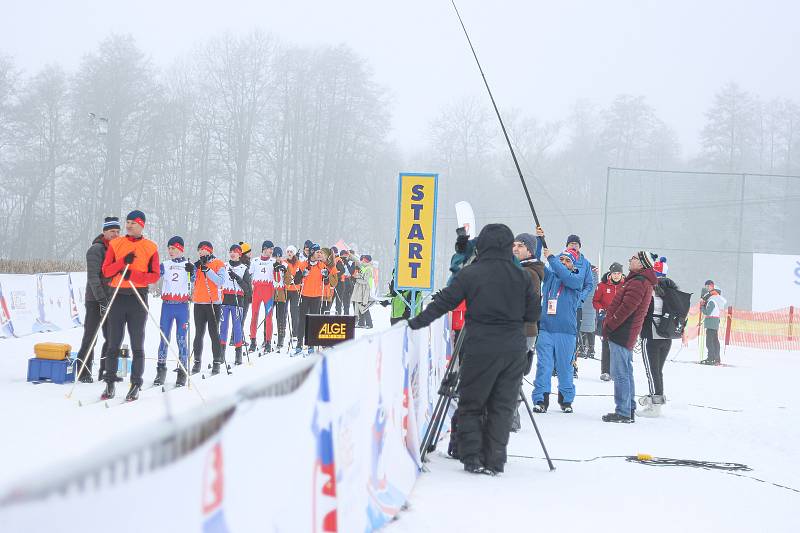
{"points": [[176, 241], [574, 238], [137, 216], [111, 223], [267, 244]]}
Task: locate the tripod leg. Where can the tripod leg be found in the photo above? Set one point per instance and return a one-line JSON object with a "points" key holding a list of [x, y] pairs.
{"points": [[535, 427]]}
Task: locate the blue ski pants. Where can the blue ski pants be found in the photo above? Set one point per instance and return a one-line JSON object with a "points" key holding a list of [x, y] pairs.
{"points": [[232, 314], [554, 349], [179, 314]]}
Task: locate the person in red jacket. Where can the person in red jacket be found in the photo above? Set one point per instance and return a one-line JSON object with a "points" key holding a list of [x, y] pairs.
{"points": [[603, 296], [622, 325]]}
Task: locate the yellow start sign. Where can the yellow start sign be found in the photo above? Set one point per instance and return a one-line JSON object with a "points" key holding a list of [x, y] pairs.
{"points": [[416, 231]]}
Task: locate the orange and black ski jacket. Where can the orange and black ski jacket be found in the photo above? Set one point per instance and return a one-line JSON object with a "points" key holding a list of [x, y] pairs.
{"points": [[144, 270]]}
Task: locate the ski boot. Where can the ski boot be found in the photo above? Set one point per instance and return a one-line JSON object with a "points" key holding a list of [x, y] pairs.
{"points": [[566, 407], [161, 375], [539, 407], [215, 368], [605, 377], [109, 392], [279, 346], [86, 377], [266, 347], [133, 393], [238, 360], [298, 351], [310, 350], [253, 347], [180, 381], [197, 367]]}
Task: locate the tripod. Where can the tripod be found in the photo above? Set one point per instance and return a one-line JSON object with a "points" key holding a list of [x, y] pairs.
{"points": [[448, 391]]}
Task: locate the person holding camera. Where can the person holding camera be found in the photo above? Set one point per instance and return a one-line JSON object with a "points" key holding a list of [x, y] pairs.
{"points": [[137, 257], [500, 300], [210, 275]]}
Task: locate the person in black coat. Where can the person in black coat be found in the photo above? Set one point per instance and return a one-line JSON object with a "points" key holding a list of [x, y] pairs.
{"points": [[500, 300], [98, 295]]}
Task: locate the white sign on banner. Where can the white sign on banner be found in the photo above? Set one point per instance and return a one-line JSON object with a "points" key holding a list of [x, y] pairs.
{"points": [[56, 300], [776, 281], [77, 284], [21, 296]]}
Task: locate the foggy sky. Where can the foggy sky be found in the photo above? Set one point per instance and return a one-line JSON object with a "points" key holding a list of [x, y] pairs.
{"points": [[540, 57]]}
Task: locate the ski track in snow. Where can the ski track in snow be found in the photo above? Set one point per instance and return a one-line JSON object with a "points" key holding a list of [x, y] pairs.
{"points": [[614, 495]]}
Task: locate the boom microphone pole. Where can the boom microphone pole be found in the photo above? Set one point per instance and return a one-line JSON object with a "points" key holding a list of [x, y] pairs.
{"points": [[502, 125]]}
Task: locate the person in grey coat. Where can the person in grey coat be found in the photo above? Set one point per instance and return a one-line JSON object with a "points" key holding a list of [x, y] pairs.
{"points": [[589, 318], [361, 298], [97, 298]]}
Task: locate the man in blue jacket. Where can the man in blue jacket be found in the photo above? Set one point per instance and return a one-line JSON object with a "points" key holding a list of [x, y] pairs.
{"points": [[582, 265], [557, 329]]}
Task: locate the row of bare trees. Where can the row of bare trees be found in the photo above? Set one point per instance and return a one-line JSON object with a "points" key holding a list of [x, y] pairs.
{"points": [[244, 138]]}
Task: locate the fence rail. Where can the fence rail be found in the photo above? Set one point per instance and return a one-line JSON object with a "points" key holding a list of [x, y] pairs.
{"points": [[769, 330]]}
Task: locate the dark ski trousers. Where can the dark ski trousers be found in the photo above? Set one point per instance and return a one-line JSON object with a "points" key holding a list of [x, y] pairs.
{"points": [[344, 291], [489, 387], [365, 319], [126, 311], [326, 307], [293, 299], [654, 354], [605, 358], [90, 324], [207, 315], [280, 317], [308, 306], [712, 344]]}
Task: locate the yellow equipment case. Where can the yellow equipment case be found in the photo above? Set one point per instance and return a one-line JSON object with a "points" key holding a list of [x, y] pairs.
{"points": [[55, 351]]}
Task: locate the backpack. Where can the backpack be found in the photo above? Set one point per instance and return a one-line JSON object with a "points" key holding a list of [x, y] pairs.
{"points": [[675, 313]]}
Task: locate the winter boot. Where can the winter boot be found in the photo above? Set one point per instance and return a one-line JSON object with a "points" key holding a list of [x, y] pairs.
{"points": [[133, 393], [266, 347], [539, 407], [605, 377], [161, 375], [659, 399], [238, 360], [476, 468], [566, 407], [646, 401], [619, 419], [196, 367], [215, 368], [180, 381], [253, 347], [86, 377], [109, 392], [651, 411]]}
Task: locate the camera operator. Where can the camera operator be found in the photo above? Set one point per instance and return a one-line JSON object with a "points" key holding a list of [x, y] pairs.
{"points": [[500, 300]]}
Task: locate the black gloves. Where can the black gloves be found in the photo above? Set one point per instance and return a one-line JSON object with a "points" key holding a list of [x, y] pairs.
{"points": [[190, 268], [461, 243], [129, 258], [128, 275], [385, 303], [234, 276], [279, 267], [298, 277], [325, 272]]}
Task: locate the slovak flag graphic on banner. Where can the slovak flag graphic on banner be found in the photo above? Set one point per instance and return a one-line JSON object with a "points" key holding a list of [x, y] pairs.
{"points": [[324, 489], [214, 493]]}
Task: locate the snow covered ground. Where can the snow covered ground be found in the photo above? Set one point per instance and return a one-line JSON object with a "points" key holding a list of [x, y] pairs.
{"points": [[42, 428], [743, 413], [746, 413]]}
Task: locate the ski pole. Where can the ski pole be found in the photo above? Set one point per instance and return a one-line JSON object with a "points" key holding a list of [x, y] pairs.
{"points": [[502, 125], [97, 331]]}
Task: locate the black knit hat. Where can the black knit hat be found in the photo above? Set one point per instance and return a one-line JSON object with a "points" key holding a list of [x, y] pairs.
{"points": [[646, 258], [574, 238], [615, 267], [136, 216], [267, 244], [207, 245], [176, 241], [111, 223]]}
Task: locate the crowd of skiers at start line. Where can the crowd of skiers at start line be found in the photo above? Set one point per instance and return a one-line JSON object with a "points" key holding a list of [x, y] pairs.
{"points": [[288, 286], [515, 299]]}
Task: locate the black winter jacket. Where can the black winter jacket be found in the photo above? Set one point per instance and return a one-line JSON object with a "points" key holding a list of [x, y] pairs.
{"points": [[500, 297], [97, 289]]}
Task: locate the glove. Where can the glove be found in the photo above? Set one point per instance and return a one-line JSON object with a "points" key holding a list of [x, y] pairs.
{"points": [[204, 268], [298, 277], [325, 273], [128, 275], [129, 258], [305, 273], [385, 303], [461, 244], [190, 268], [234, 276]]}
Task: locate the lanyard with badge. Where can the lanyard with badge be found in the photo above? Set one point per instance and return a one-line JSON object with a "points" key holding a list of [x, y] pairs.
{"points": [[552, 303]]}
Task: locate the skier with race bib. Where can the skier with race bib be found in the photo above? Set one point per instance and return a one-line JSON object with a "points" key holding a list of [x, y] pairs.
{"points": [[176, 277]]}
